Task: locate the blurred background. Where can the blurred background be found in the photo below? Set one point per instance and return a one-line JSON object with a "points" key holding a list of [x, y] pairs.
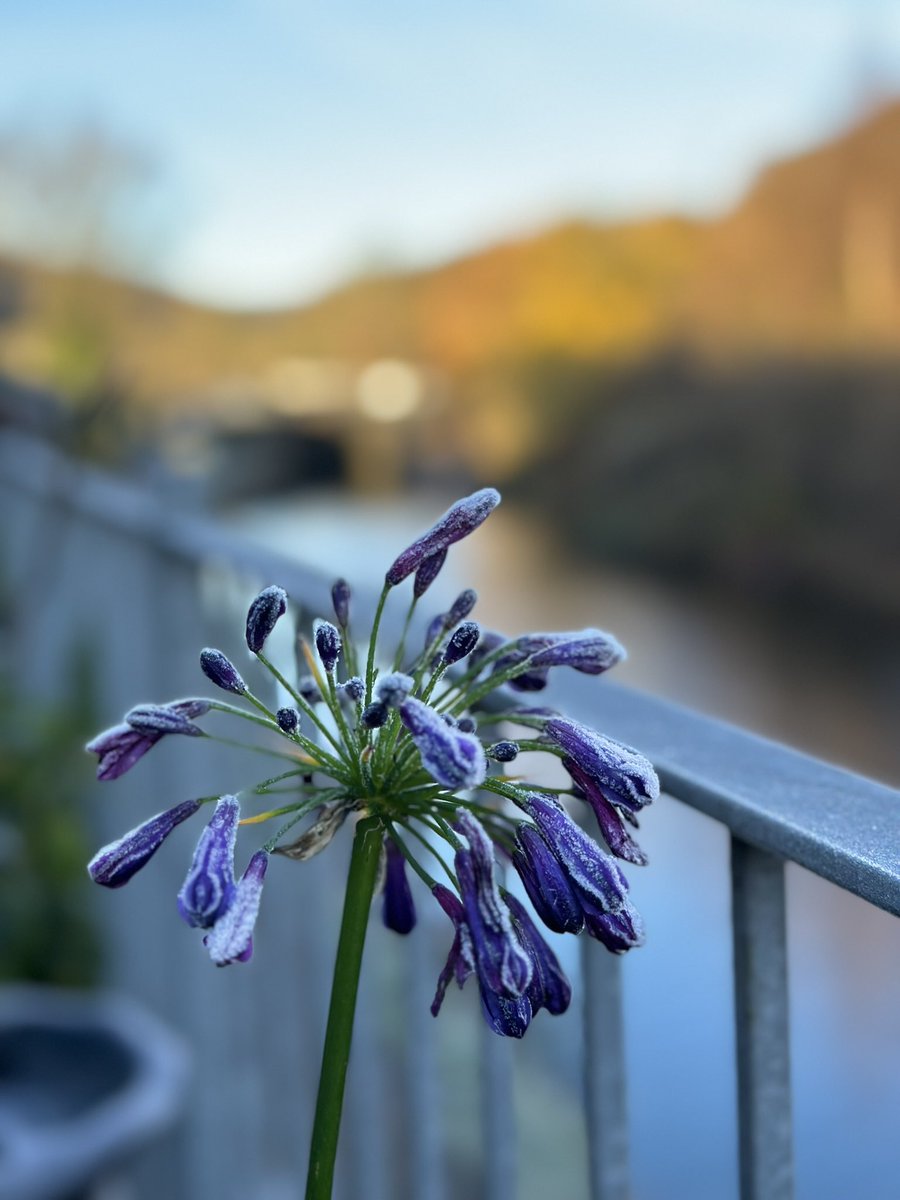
{"points": [[314, 271]]}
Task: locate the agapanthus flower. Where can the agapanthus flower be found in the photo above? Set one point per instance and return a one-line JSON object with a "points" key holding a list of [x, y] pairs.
{"points": [[409, 746]]}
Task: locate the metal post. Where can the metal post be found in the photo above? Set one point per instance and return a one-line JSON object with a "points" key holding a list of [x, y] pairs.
{"points": [[604, 1073]]}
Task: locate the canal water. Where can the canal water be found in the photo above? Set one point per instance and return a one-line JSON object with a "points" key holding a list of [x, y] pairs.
{"points": [[740, 665]]}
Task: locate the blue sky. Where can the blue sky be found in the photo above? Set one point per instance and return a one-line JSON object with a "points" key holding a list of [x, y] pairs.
{"points": [[299, 142]]}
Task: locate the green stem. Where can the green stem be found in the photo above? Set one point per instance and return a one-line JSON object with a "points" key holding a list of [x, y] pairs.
{"points": [[370, 664], [336, 1052]]}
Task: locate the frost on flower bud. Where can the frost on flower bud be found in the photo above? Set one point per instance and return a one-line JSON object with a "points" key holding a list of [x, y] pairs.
{"points": [[115, 864], [590, 651], [265, 610], [209, 886], [231, 938], [609, 817], [549, 987], [453, 758], [161, 719], [119, 748], [461, 607], [398, 910], [220, 671], [354, 689], [457, 522], [623, 775], [428, 572], [392, 689], [288, 720], [545, 882], [462, 642], [375, 715], [503, 752], [308, 689], [466, 724], [340, 599], [328, 644]]}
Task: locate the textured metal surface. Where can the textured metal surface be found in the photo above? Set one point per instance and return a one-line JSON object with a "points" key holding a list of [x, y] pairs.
{"points": [[761, 1024], [605, 1091]]}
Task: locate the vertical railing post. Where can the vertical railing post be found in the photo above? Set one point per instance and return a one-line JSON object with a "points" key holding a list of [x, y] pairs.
{"points": [[762, 1024], [605, 1089]]}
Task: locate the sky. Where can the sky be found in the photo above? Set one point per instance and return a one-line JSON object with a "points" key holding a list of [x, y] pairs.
{"points": [[295, 144]]}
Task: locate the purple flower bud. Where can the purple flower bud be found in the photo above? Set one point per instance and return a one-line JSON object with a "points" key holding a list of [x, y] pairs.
{"points": [[308, 689], [508, 1016], [435, 628], [503, 752], [466, 724], [398, 910], [626, 778], [457, 522], [490, 641], [265, 610], [591, 651], [463, 642], [549, 987], [161, 719], [527, 679], [392, 689], [608, 817], [375, 715], [427, 572], [502, 965], [209, 886], [220, 671], [354, 689], [600, 886], [328, 644], [453, 758], [119, 748], [461, 607], [547, 885], [231, 938], [340, 599], [288, 720], [115, 864]]}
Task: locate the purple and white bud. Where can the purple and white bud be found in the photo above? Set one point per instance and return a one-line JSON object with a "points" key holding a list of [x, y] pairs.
{"points": [[221, 671], [115, 864], [453, 758], [625, 777], [288, 720], [328, 644], [375, 715], [269, 605], [457, 522], [398, 911], [609, 818], [546, 883], [590, 651], [549, 987], [308, 689], [119, 748], [503, 752], [427, 572], [462, 642], [393, 688], [231, 938], [461, 607], [161, 719], [354, 689], [208, 888], [340, 599]]}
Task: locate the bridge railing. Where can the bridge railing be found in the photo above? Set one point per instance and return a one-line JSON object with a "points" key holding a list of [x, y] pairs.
{"points": [[93, 562]]}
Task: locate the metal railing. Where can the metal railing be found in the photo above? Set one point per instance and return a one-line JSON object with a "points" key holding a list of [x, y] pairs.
{"points": [[130, 575]]}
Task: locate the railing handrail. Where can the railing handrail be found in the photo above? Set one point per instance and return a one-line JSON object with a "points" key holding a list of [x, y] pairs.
{"points": [[840, 825]]}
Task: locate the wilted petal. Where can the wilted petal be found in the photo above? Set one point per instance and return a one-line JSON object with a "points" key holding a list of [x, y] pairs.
{"points": [[626, 776], [453, 758], [608, 817], [119, 748], [549, 987], [546, 883], [262, 615], [115, 864], [590, 651], [503, 966], [313, 840], [231, 938], [209, 886], [457, 522], [461, 960], [398, 909]]}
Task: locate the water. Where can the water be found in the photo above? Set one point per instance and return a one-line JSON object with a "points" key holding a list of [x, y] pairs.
{"points": [[734, 662]]}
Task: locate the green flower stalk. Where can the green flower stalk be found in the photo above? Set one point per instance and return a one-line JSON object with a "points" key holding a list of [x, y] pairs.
{"points": [[399, 756]]}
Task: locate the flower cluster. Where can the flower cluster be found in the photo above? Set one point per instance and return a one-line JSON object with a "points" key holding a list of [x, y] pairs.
{"points": [[419, 743]]}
